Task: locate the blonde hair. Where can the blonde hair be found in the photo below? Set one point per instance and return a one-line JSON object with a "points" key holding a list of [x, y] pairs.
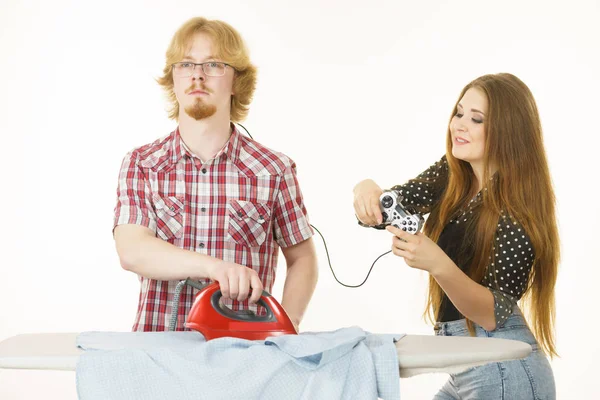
{"points": [[228, 47], [513, 145]]}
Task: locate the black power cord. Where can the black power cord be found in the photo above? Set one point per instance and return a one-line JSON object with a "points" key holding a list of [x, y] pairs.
{"points": [[330, 267], [327, 251], [245, 130]]}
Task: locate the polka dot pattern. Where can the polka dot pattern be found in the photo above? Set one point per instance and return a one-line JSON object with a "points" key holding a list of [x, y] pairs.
{"points": [[511, 261], [422, 193], [507, 274]]}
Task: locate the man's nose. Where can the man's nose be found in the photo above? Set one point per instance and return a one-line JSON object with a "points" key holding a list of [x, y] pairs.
{"points": [[198, 73]]}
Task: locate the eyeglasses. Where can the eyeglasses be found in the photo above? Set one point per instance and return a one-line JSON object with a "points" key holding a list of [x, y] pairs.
{"points": [[210, 68]]}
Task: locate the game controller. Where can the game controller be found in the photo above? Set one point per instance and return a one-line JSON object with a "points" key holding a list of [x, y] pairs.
{"points": [[394, 213]]}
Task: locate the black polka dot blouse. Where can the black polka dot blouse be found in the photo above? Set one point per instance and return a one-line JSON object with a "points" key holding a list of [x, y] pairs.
{"points": [[507, 274]]}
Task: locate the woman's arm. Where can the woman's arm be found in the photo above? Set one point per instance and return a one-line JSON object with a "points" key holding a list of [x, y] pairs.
{"points": [[473, 300], [488, 304], [419, 194]]}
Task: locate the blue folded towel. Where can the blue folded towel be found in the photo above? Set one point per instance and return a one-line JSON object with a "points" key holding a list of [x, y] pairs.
{"points": [[348, 363]]}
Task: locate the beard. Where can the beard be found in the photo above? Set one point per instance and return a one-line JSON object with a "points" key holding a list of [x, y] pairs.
{"points": [[200, 110]]}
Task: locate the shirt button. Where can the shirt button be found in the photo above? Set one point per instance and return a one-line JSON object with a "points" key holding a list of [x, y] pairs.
{"points": [[201, 245], [203, 170], [240, 214], [172, 208], [203, 209]]}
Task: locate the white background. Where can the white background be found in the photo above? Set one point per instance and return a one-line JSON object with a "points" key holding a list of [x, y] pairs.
{"points": [[348, 90]]}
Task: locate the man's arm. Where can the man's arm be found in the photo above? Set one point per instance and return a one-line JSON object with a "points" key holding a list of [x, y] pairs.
{"points": [[140, 251], [301, 279], [146, 255]]}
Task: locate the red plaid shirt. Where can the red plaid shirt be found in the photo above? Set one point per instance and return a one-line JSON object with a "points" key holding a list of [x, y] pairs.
{"points": [[241, 206]]}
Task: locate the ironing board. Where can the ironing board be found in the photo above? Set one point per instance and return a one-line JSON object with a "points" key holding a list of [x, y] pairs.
{"points": [[417, 354]]}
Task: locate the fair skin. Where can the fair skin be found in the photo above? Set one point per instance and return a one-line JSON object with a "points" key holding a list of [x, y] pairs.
{"points": [[206, 136], [474, 301], [141, 252], [467, 129]]}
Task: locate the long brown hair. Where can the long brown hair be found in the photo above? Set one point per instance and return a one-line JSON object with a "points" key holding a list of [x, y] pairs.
{"points": [[521, 188], [229, 47]]}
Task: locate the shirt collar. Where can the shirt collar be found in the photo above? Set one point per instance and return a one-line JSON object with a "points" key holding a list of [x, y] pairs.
{"points": [[231, 150]]}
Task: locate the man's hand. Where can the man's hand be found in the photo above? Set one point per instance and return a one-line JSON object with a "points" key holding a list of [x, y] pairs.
{"points": [[236, 280]]}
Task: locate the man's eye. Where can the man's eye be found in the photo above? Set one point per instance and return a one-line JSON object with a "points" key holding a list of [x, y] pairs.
{"points": [[185, 65], [458, 115]]}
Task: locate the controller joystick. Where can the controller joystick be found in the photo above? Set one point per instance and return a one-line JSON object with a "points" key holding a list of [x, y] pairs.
{"points": [[394, 213]]}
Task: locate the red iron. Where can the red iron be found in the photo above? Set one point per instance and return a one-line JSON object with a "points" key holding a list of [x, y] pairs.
{"points": [[214, 320]]}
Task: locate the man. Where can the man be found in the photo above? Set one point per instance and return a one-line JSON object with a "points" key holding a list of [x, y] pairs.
{"points": [[206, 202]]}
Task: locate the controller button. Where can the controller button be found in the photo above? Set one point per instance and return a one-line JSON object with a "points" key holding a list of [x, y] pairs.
{"points": [[387, 201]]}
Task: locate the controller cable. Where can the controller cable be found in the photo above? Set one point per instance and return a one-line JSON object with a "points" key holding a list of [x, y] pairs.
{"points": [[325, 244]]}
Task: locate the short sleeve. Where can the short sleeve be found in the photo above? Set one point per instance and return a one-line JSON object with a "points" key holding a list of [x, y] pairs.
{"points": [[507, 276], [290, 218], [133, 196], [423, 192]]}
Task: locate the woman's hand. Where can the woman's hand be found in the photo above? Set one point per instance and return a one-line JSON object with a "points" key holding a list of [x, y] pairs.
{"points": [[418, 250], [366, 202]]}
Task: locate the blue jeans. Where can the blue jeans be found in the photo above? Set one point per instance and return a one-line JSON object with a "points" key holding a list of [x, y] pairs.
{"points": [[529, 378]]}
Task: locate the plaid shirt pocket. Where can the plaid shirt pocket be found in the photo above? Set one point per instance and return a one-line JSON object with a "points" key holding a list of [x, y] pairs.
{"points": [[169, 216], [248, 222]]}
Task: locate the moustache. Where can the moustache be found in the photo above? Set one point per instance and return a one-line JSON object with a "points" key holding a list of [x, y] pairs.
{"points": [[201, 87]]}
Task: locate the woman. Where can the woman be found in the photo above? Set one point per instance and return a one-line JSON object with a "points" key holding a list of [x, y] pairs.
{"points": [[490, 238]]}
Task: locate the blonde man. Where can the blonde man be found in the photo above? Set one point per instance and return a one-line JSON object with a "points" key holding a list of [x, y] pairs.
{"points": [[206, 202]]}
